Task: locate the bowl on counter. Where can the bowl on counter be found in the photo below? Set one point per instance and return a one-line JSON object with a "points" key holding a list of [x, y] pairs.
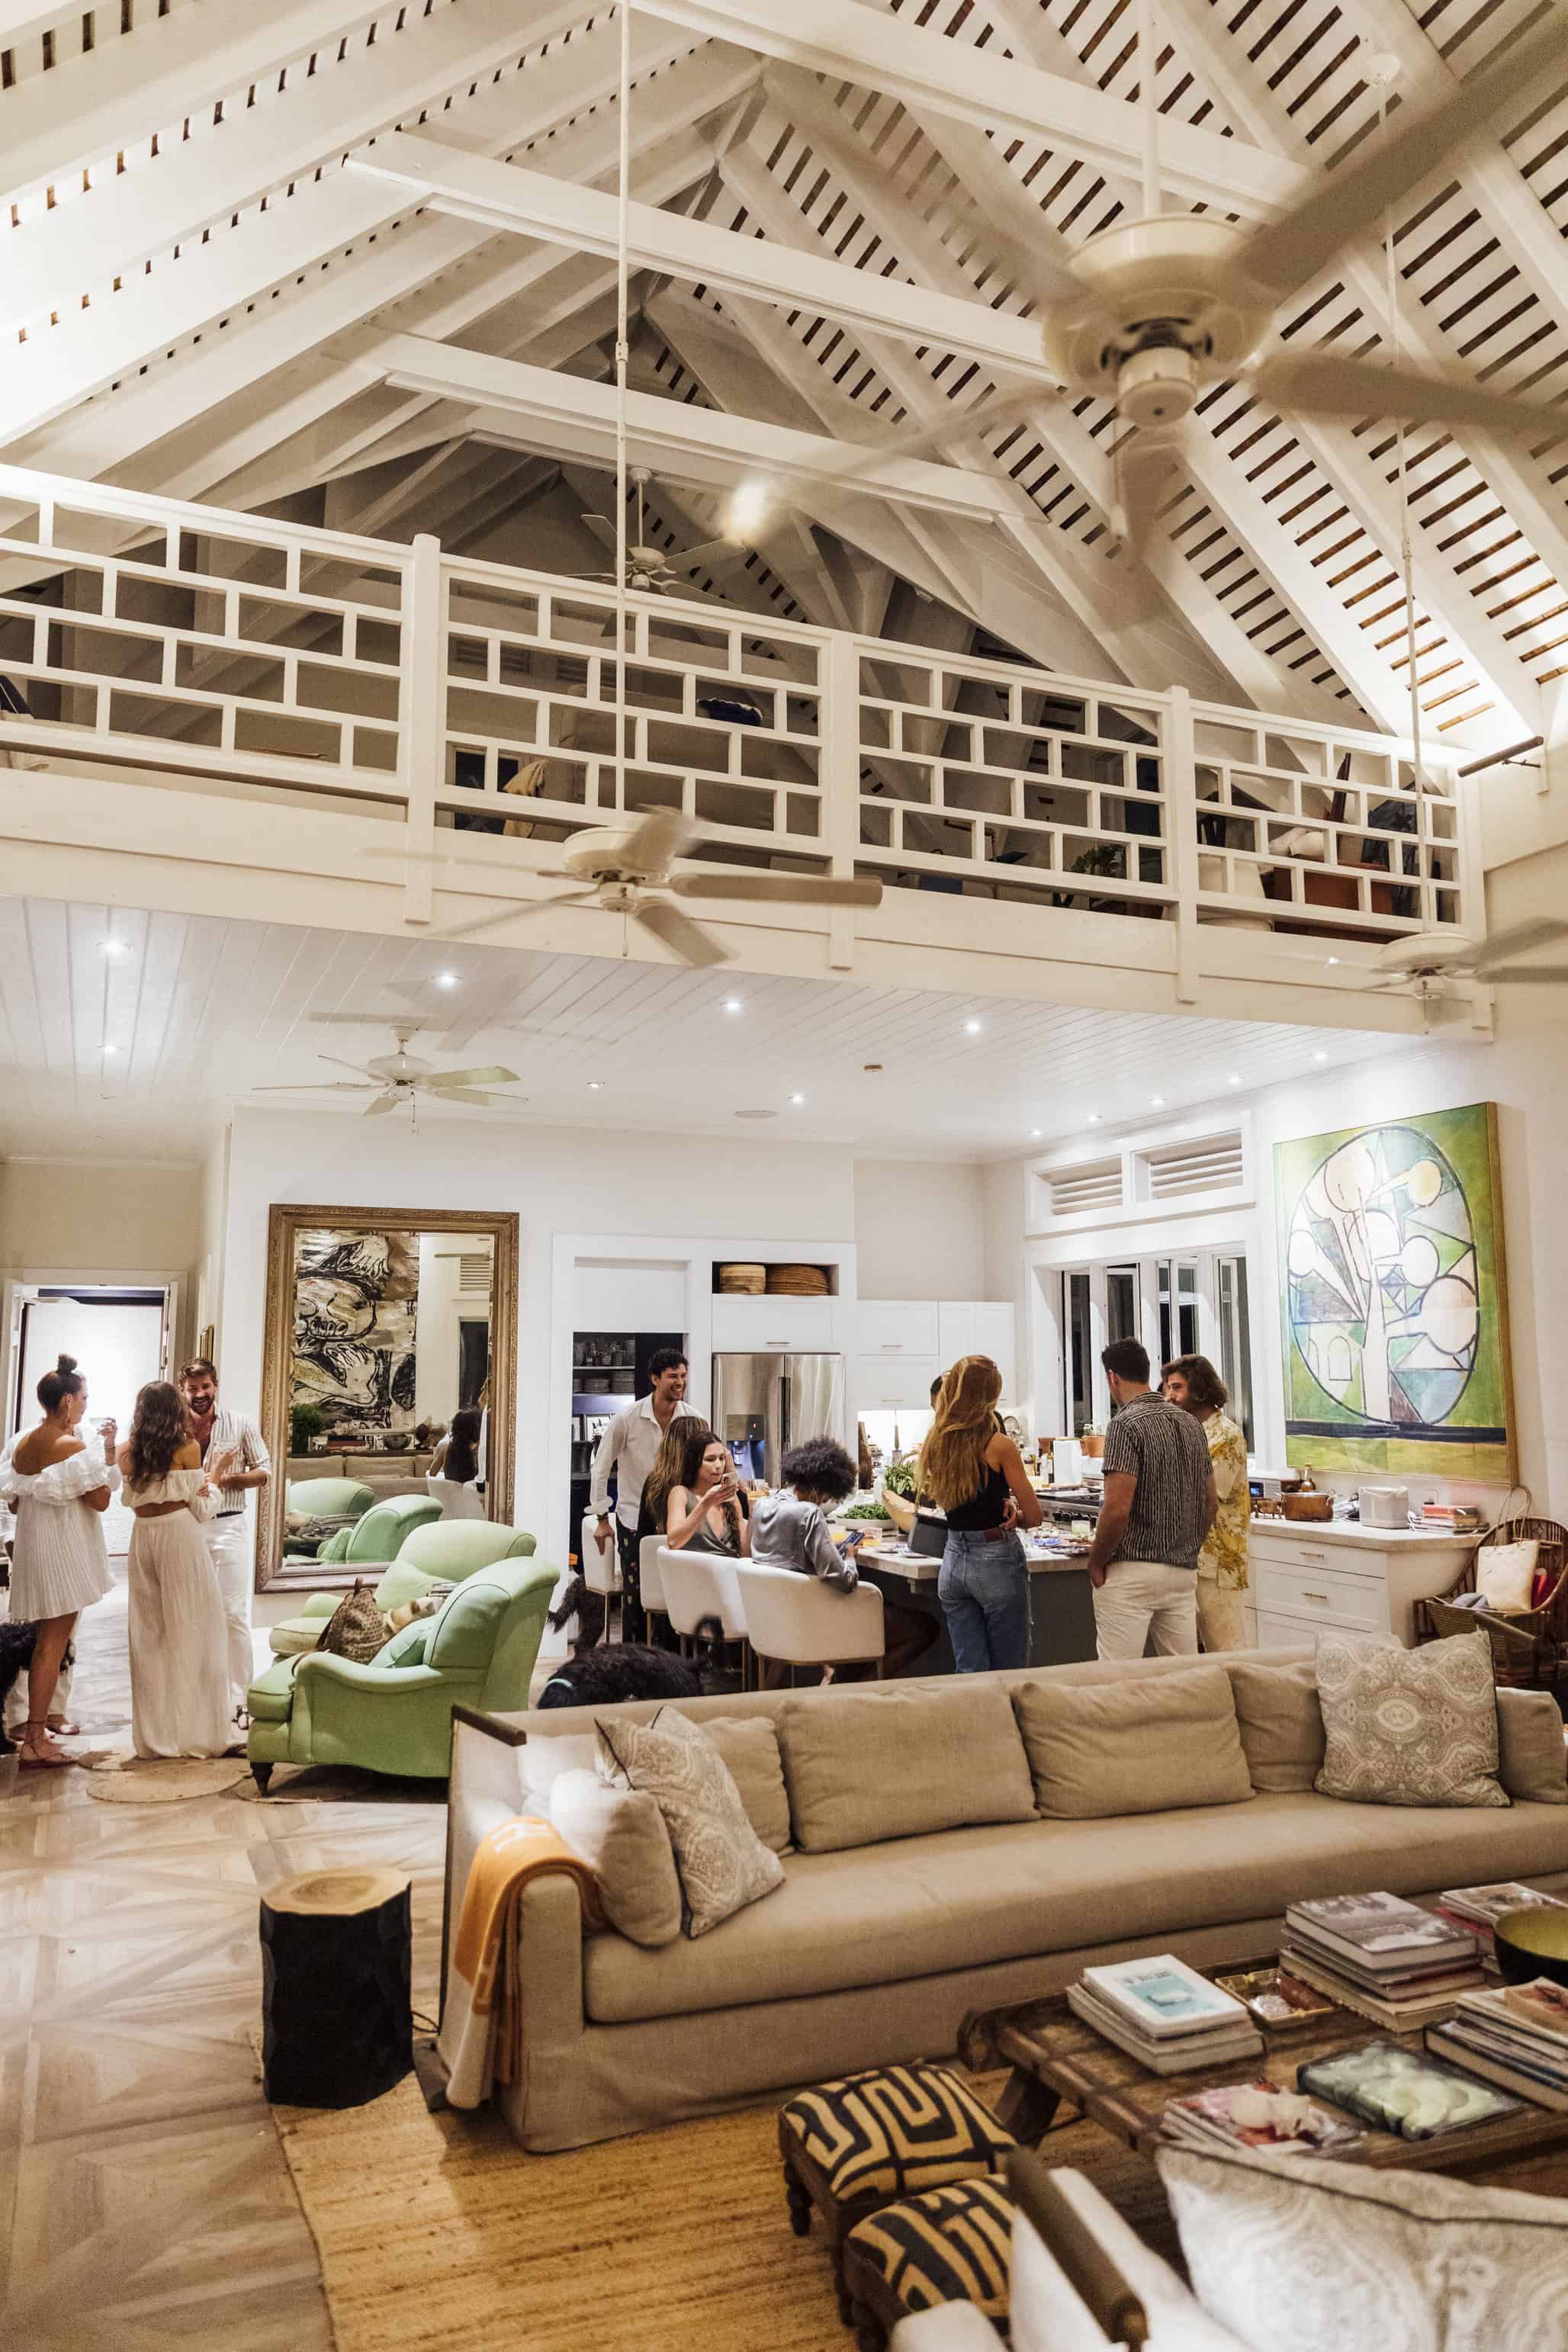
{"points": [[1533, 1942]]}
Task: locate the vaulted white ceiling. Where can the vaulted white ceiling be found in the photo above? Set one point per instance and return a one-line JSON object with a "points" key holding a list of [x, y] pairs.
{"points": [[205, 298], [135, 1033]]}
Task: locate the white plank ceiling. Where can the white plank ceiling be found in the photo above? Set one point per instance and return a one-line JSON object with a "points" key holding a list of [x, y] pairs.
{"points": [[134, 1033], [194, 280]]}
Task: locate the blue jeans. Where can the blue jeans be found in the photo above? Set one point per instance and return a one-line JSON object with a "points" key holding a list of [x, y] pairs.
{"points": [[983, 1589]]}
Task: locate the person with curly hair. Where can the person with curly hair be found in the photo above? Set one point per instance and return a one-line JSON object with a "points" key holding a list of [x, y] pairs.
{"points": [[789, 1529], [179, 1656]]}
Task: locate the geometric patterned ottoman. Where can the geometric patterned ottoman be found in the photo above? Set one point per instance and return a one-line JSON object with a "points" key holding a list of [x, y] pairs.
{"points": [[953, 2245], [876, 2138]]}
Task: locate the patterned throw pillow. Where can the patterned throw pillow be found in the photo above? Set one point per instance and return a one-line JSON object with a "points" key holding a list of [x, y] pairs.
{"points": [[356, 1629], [1328, 2257], [723, 1863], [1409, 1726]]}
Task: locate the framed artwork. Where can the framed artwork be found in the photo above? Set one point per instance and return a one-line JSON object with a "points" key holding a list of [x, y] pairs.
{"points": [[355, 1309], [1394, 1299]]}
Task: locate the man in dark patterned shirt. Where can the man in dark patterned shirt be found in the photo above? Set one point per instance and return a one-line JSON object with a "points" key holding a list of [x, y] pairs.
{"points": [[1159, 1504]]}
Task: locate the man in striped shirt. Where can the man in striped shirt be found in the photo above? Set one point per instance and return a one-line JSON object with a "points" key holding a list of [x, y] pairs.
{"points": [[218, 1430], [1159, 1504]]}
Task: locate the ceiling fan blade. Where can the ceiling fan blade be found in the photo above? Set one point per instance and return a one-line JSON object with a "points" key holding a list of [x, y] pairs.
{"points": [[784, 890], [1147, 464], [1532, 975], [368, 1020], [491, 1075], [691, 942], [1316, 384], [706, 550], [516, 912], [1285, 254], [602, 529], [438, 858], [327, 1087], [987, 415], [336, 1062], [657, 839], [380, 1107], [1518, 940], [473, 1095]]}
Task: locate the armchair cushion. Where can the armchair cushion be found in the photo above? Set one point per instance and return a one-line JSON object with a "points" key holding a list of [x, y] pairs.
{"points": [[406, 1646], [335, 1548], [328, 1498]]}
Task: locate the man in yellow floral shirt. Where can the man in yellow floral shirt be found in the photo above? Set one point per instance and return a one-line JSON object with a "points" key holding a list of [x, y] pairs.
{"points": [[1193, 1384]]}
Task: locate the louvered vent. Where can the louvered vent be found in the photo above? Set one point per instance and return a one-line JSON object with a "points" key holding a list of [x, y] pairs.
{"points": [[474, 1274], [1076, 1188], [1211, 1165]]}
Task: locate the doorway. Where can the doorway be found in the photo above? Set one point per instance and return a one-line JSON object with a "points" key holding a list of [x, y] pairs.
{"points": [[120, 1335]]}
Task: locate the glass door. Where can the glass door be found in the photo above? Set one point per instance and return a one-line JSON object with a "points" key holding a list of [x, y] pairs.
{"points": [[1234, 1356]]}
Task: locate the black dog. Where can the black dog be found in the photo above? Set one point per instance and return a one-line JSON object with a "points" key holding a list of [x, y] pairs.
{"points": [[619, 1670]]}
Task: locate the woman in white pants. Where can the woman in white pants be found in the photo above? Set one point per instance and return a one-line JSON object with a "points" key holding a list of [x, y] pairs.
{"points": [[179, 1672]]}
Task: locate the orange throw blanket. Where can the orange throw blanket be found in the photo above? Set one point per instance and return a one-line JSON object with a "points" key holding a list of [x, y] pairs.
{"points": [[479, 2031]]}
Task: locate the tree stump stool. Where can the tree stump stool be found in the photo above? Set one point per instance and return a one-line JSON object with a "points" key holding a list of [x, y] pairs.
{"points": [[337, 2023]]}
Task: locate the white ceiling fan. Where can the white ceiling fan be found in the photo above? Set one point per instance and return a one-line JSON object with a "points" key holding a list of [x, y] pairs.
{"points": [[627, 868], [394, 1079], [1429, 965], [657, 571]]}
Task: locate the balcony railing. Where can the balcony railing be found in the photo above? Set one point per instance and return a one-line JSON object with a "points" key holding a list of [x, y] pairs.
{"points": [[436, 692]]}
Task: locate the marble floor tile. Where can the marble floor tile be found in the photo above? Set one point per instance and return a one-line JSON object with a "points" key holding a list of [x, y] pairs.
{"points": [[144, 2201]]}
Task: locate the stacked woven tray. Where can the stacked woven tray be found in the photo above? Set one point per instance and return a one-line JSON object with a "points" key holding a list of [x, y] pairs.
{"points": [[740, 1280], [798, 1281]]}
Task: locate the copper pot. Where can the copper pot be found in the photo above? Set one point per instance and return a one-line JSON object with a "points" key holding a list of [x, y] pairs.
{"points": [[1309, 1506]]}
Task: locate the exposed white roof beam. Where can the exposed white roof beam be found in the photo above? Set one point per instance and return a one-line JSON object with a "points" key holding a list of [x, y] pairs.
{"points": [[536, 204], [231, 276], [992, 92], [570, 417], [77, 248], [167, 68]]}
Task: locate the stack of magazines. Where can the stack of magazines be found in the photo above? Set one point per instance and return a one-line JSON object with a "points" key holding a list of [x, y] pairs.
{"points": [[1480, 1908], [1382, 1957], [1259, 2115], [1165, 2014], [1515, 2036]]}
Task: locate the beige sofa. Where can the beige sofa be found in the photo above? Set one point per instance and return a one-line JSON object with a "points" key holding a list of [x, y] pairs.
{"points": [[872, 1952]]}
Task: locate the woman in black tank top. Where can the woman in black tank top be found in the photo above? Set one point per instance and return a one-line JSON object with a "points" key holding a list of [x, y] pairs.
{"points": [[973, 1471]]}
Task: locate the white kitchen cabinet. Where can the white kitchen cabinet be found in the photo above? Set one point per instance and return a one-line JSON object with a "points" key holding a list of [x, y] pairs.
{"points": [[1345, 1576], [896, 1327], [894, 1382], [983, 1327], [784, 1326]]}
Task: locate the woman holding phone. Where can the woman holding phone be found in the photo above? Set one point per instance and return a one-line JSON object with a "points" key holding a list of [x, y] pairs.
{"points": [[706, 1510]]}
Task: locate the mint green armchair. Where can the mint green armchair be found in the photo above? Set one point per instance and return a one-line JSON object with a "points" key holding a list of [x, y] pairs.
{"points": [[371, 1541], [323, 1498], [395, 1715]]}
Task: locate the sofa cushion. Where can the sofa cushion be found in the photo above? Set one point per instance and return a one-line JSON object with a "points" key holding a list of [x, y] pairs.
{"points": [[1532, 1762], [1133, 1747], [1012, 1890], [620, 1835], [1329, 2257], [1280, 1722], [1409, 1726], [891, 1763], [750, 1747], [724, 1865]]}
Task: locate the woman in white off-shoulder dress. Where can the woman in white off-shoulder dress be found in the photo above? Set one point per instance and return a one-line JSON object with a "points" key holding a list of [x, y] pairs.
{"points": [[179, 1657], [60, 1486]]}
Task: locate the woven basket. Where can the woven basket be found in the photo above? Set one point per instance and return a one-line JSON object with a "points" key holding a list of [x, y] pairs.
{"points": [[742, 1281], [798, 1281]]}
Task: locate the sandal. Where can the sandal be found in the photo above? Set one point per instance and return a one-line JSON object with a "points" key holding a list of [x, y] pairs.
{"points": [[58, 1728], [38, 1751]]}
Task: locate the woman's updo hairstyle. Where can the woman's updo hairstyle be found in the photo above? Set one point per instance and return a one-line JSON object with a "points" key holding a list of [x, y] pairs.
{"points": [[63, 1381]]}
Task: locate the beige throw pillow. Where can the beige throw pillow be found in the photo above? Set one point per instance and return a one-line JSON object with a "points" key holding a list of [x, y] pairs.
{"points": [[723, 1863], [1505, 1574], [1409, 1726], [1145, 1744], [621, 1836], [750, 1747], [1331, 2257], [891, 1763], [1531, 1763], [1281, 1724]]}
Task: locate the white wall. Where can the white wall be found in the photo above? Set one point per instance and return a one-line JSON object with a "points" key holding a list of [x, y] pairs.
{"points": [[556, 1180], [97, 1216], [920, 1229]]}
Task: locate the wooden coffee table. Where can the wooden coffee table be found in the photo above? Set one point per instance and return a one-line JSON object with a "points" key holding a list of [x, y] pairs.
{"points": [[1055, 2056]]}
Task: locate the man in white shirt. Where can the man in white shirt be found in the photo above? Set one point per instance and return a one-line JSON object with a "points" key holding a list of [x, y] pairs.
{"points": [[216, 1429], [629, 1447]]}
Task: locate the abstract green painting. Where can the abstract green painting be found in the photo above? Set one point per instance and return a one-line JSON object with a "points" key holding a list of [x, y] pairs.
{"points": [[1395, 1296]]}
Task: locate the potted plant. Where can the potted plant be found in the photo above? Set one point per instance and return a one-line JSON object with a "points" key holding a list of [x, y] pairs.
{"points": [[307, 1422], [1092, 1441]]}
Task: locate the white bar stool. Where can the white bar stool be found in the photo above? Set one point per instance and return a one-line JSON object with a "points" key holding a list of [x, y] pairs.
{"points": [[797, 1620], [650, 1577], [601, 1569], [457, 1502], [699, 1587]]}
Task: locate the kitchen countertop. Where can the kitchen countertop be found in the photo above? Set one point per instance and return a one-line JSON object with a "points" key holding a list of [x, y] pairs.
{"points": [[1354, 1536], [917, 1569]]}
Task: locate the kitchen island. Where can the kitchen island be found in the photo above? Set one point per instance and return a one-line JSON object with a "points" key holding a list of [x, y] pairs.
{"points": [[1061, 1605]]}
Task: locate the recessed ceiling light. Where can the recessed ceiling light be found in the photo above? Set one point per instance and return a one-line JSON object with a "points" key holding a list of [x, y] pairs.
{"points": [[446, 980], [734, 1004], [113, 947], [596, 1086], [797, 1098], [1158, 1101], [1094, 1119], [972, 1028], [1234, 1078], [109, 1049], [1035, 1133], [1320, 1057], [1334, 958]]}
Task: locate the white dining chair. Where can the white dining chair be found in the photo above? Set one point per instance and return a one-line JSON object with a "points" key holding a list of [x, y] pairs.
{"points": [[797, 1620], [457, 1502], [698, 1588]]}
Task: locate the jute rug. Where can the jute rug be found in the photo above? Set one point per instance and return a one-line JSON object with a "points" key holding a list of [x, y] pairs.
{"points": [[436, 2233], [119, 1780]]}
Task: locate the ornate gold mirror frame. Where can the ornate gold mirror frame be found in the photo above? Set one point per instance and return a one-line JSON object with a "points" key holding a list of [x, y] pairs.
{"points": [[285, 1222]]}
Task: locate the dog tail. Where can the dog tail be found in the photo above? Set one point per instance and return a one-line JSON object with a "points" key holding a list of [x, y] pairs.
{"points": [[570, 1602]]}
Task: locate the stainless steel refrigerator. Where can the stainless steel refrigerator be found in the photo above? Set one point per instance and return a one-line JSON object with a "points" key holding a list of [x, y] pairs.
{"points": [[764, 1405]]}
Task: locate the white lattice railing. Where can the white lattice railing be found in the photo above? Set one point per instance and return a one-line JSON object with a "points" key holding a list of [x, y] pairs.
{"points": [[444, 693]]}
